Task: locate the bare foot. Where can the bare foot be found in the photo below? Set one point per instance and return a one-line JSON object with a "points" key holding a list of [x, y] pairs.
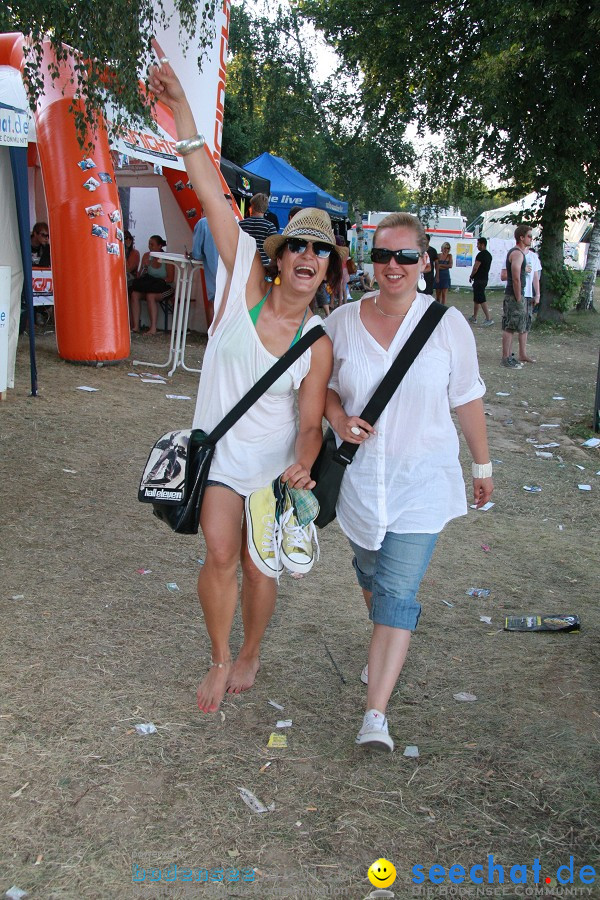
{"points": [[150, 332], [211, 689], [242, 674], [526, 359]]}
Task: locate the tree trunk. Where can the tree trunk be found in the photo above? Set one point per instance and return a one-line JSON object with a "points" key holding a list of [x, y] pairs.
{"points": [[360, 235], [586, 292], [552, 250]]}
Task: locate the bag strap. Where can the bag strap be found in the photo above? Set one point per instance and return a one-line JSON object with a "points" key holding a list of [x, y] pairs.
{"points": [[383, 393], [265, 382]]}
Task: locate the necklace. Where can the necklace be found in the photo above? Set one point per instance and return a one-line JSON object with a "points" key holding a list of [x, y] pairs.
{"points": [[388, 315]]}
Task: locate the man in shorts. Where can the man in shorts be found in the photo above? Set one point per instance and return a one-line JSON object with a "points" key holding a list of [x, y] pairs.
{"points": [[479, 279], [514, 310]]}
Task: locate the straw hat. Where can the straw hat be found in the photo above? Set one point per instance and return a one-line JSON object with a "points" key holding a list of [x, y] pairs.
{"points": [[308, 225]]}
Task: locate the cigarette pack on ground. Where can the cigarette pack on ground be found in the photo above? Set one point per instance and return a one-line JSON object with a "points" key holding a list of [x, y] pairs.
{"points": [[542, 623]]}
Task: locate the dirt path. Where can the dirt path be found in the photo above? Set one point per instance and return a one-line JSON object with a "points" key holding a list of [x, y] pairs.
{"points": [[93, 647]]}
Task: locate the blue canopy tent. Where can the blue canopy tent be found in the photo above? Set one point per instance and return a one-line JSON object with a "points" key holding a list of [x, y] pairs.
{"points": [[290, 188]]}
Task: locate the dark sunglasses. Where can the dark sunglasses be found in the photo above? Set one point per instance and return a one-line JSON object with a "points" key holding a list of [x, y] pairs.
{"points": [[402, 257], [298, 245], [43, 234]]}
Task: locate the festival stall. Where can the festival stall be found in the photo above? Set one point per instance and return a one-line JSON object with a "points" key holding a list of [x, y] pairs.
{"points": [[290, 188]]}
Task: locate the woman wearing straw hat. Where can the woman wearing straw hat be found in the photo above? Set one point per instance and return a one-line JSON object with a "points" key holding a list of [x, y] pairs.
{"points": [[256, 320]]}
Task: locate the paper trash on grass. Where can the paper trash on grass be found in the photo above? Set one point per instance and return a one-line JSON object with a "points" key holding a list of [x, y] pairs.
{"points": [[84, 387], [144, 571], [153, 381], [486, 619], [558, 397], [591, 442], [276, 705], [17, 597], [546, 425], [544, 454], [146, 728], [172, 586], [485, 548], [447, 603], [133, 374], [278, 741], [532, 488], [283, 723], [177, 396], [478, 592], [584, 487], [412, 751], [464, 697], [15, 893], [502, 393], [70, 471], [580, 467], [545, 446], [253, 802], [483, 508]]}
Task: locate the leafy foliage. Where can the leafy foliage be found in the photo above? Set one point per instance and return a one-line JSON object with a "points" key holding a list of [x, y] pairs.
{"points": [[274, 102], [113, 47], [514, 88]]}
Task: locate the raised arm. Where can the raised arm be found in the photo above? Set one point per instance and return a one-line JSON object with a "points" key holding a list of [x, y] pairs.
{"points": [[198, 164]]}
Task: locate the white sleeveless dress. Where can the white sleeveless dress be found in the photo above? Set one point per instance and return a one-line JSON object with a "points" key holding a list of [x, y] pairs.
{"points": [[261, 444]]}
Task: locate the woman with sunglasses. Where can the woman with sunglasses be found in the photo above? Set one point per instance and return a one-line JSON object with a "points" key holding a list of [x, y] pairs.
{"points": [[406, 482], [443, 264], [258, 316]]}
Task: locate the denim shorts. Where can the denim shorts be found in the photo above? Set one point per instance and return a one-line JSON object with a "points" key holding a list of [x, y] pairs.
{"points": [[210, 483], [393, 574]]}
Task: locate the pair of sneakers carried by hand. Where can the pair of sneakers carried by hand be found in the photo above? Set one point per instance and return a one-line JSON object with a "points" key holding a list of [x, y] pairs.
{"points": [[280, 529]]}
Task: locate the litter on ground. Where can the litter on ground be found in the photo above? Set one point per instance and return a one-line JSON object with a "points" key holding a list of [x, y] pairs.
{"points": [[146, 728], [464, 697], [253, 802]]}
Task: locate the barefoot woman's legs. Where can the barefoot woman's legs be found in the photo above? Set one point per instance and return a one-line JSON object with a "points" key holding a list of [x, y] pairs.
{"points": [[152, 303], [259, 593], [134, 312], [221, 523]]}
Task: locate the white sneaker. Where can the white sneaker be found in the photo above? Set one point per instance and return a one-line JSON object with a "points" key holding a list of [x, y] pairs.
{"points": [[374, 732], [298, 531], [364, 675]]}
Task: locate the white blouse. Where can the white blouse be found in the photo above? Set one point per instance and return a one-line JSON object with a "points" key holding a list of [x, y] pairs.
{"points": [[407, 478], [261, 445]]}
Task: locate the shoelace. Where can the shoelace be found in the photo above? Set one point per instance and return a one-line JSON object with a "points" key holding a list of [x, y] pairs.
{"points": [[272, 539], [299, 535]]}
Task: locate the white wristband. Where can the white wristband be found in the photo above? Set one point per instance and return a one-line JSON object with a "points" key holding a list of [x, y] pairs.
{"points": [[481, 470]]}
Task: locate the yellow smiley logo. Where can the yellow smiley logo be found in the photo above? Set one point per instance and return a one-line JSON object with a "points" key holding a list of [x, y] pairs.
{"points": [[382, 873]]}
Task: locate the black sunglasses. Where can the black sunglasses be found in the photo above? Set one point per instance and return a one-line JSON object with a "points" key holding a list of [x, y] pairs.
{"points": [[402, 257], [298, 245]]}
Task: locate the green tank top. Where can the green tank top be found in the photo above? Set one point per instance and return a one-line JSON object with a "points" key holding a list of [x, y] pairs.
{"points": [[255, 313]]}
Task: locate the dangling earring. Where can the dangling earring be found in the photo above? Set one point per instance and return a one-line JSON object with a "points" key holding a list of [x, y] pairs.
{"points": [[277, 279], [421, 283]]}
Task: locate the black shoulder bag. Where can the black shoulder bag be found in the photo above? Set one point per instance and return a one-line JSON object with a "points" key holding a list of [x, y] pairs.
{"points": [[330, 465], [175, 475]]}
